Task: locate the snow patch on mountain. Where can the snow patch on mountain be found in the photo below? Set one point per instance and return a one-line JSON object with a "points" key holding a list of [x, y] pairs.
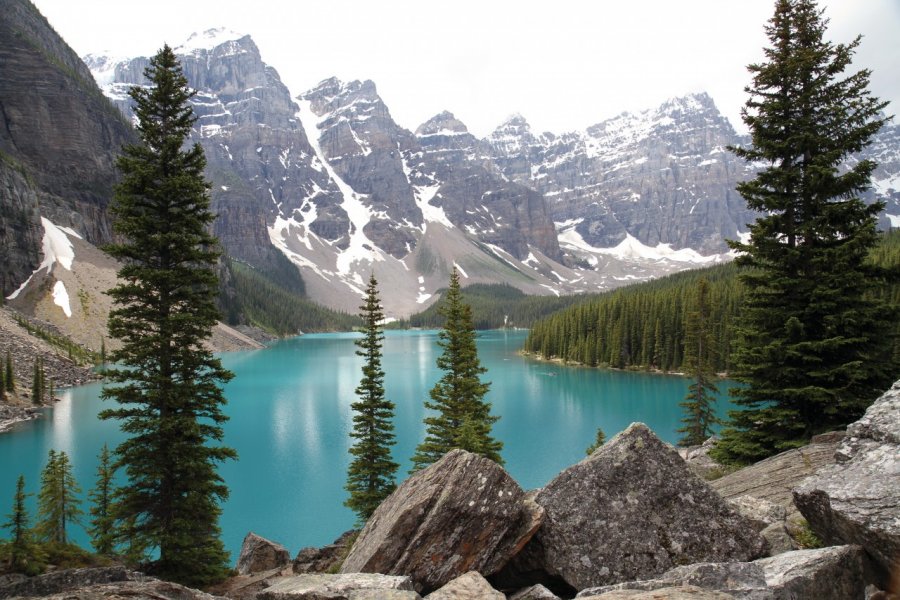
{"points": [[56, 248], [894, 219], [207, 40], [61, 298]]}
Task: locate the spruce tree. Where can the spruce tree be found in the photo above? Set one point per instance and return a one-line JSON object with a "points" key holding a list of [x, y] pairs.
{"points": [[20, 545], [58, 503], [37, 381], [371, 476], [10, 376], [811, 347], [102, 525], [599, 440], [463, 418], [2, 385], [167, 384], [698, 361]]}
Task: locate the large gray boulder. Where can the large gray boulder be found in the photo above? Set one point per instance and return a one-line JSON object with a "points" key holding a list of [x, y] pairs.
{"points": [[463, 513], [856, 500], [681, 592], [468, 586], [344, 586], [534, 592], [633, 510], [98, 583], [834, 573], [259, 554]]}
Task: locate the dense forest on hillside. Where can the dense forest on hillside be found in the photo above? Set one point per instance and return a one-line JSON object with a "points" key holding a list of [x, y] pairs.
{"points": [[642, 326], [251, 297], [495, 306]]}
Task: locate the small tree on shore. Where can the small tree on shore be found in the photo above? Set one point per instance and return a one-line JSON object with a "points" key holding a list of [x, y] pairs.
{"points": [[22, 553], [10, 376], [102, 525], [463, 418], [371, 476], [699, 357], [598, 441], [58, 503]]}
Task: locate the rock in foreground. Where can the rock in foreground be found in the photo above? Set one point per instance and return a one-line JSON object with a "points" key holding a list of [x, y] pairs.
{"points": [[259, 554], [350, 586], [633, 510], [470, 586], [463, 513], [856, 500], [834, 573]]}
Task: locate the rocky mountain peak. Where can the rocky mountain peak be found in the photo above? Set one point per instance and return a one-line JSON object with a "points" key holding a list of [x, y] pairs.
{"points": [[444, 123], [199, 43]]}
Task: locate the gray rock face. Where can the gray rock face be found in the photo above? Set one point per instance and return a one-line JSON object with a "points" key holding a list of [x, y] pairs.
{"points": [[468, 586], [58, 142], [855, 501], [345, 586], [632, 510], [663, 175], [463, 513], [774, 478], [835, 573], [477, 197], [259, 554]]}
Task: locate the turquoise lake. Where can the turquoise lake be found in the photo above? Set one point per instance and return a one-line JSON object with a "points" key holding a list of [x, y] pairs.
{"points": [[290, 416]]}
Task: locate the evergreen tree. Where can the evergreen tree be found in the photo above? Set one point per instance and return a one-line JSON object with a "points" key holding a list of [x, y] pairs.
{"points": [[372, 472], [58, 503], [598, 441], [10, 377], [37, 383], [458, 397], [699, 357], [811, 346], [20, 546], [166, 382], [102, 526], [2, 385]]}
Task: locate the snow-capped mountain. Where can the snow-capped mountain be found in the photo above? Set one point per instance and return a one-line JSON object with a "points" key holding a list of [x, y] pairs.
{"points": [[329, 180]]}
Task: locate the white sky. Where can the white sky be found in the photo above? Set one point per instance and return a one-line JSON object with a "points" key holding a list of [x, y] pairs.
{"points": [[562, 64]]}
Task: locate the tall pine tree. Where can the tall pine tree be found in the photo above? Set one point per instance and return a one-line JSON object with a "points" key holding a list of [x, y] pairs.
{"points": [[167, 384], [371, 476], [699, 357], [463, 418], [811, 348], [10, 376]]}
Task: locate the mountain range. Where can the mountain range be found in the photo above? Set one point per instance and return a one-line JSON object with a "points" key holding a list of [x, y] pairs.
{"points": [[318, 189]]}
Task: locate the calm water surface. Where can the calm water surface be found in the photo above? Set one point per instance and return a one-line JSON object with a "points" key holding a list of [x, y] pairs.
{"points": [[290, 417]]}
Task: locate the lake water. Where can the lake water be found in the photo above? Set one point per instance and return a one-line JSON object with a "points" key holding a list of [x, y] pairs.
{"points": [[290, 417]]}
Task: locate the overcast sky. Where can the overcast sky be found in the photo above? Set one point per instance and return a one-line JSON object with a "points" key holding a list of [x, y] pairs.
{"points": [[562, 64]]}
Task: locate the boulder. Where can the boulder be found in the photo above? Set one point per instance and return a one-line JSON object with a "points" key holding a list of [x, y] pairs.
{"points": [[698, 459], [633, 510], [96, 583], [469, 586], [463, 513], [345, 586], [779, 539], [745, 580], [775, 478], [681, 592], [855, 500], [760, 512], [834, 573], [324, 559], [259, 554], [535, 592]]}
